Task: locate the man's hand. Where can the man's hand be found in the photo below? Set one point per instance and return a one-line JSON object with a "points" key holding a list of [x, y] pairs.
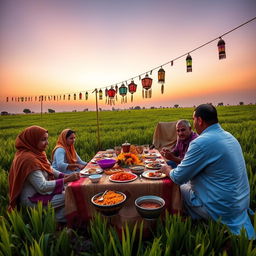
{"points": [[72, 177]]}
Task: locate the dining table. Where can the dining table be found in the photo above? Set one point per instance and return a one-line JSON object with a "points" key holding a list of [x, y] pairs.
{"points": [[78, 194]]}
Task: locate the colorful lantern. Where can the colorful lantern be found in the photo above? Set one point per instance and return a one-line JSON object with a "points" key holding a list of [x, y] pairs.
{"points": [[123, 92], [80, 96], [86, 96], [146, 84], [44, 98], [69, 97], [100, 94], [74, 96], [221, 48], [161, 78], [7, 99], [111, 96], [132, 89], [189, 63]]}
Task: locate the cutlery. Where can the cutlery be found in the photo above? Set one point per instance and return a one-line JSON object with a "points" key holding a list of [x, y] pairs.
{"points": [[102, 197], [140, 177]]}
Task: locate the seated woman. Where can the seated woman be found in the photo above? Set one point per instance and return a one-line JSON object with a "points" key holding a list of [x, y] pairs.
{"points": [[31, 177], [64, 156]]}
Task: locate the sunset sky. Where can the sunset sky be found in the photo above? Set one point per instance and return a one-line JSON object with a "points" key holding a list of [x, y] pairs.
{"points": [[56, 47]]}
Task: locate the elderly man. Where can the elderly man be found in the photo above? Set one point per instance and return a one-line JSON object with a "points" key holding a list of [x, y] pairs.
{"points": [[215, 166], [185, 136]]}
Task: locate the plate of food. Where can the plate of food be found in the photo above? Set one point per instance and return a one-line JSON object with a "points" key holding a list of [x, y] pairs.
{"points": [[154, 175], [90, 171], [154, 166], [152, 155], [113, 170], [123, 177], [151, 161]]}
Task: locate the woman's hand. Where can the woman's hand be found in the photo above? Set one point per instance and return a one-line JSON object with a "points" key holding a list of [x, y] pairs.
{"points": [[72, 177], [166, 169]]}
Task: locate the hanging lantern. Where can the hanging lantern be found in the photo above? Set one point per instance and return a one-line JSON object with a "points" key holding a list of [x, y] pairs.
{"points": [[146, 84], [7, 99], [189, 63], [132, 89], [80, 96], [111, 96], [172, 63], [221, 48], [44, 98], [86, 96], [123, 92], [18, 99], [74, 96], [69, 97], [100, 94], [161, 78]]}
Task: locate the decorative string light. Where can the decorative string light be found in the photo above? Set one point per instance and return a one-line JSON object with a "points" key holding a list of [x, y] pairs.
{"points": [[148, 92]]}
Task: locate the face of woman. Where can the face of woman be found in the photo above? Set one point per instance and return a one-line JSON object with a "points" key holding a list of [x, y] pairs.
{"points": [[43, 142], [71, 139]]}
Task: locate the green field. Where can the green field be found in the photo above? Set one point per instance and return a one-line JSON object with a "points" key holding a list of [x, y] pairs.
{"points": [[116, 127]]}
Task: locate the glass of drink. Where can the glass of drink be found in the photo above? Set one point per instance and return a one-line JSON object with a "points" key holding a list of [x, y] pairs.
{"points": [[146, 149], [139, 149], [118, 150]]}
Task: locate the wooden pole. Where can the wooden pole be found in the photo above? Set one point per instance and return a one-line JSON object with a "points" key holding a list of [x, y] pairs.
{"points": [[41, 106], [97, 114]]}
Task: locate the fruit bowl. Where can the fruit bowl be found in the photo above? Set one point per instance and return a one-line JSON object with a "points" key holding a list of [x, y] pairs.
{"points": [[149, 207], [106, 163], [111, 208]]}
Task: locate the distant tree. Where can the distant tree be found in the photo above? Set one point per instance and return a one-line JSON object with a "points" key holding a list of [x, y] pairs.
{"points": [[176, 105], [137, 107], [241, 103], [4, 113], [152, 107], [220, 104], [26, 111], [51, 110]]}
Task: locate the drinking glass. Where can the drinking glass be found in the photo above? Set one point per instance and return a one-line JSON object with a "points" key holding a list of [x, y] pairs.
{"points": [[118, 150], [139, 149], [146, 149]]}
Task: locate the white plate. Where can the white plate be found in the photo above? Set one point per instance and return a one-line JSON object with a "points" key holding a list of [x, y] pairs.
{"points": [[146, 175], [123, 181], [152, 155], [85, 171], [153, 168], [161, 161]]}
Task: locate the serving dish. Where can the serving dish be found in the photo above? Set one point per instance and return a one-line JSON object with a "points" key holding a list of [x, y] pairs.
{"points": [[121, 177], [90, 171], [147, 174], [106, 163]]}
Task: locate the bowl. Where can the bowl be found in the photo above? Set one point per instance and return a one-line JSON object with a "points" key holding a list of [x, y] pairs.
{"points": [[106, 163], [149, 207], [95, 178], [137, 169], [108, 210]]}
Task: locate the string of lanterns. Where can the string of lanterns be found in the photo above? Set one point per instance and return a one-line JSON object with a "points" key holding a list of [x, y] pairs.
{"points": [[146, 82]]}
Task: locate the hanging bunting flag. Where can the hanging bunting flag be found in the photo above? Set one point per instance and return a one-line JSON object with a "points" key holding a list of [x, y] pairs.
{"points": [[161, 78], [146, 84], [106, 95], [100, 94], [221, 49], [116, 91], [189, 63], [132, 89], [111, 96], [123, 92]]}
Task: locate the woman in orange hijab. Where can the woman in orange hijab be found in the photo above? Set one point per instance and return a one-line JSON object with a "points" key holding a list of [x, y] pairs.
{"points": [[31, 177], [64, 156]]}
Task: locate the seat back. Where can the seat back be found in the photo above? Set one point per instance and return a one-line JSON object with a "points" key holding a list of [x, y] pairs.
{"points": [[165, 135]]}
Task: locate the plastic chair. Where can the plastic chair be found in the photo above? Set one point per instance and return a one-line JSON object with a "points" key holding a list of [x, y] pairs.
{"points": [[165, 135]]}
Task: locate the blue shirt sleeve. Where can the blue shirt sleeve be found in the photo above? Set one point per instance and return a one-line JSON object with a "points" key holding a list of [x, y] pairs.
{"points": [[80, 161], [193, 162], [60, 159]]}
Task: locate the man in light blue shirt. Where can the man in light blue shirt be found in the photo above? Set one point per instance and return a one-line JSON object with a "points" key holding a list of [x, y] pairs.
{"points": [[213, 176]]}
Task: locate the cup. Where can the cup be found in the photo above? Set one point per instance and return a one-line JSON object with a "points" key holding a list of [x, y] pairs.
{"points": [[146, 149], [118, 150]]}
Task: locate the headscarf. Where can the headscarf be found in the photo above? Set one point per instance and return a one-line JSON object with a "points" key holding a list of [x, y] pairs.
{"points": [[28, 158], [70, 150]]}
